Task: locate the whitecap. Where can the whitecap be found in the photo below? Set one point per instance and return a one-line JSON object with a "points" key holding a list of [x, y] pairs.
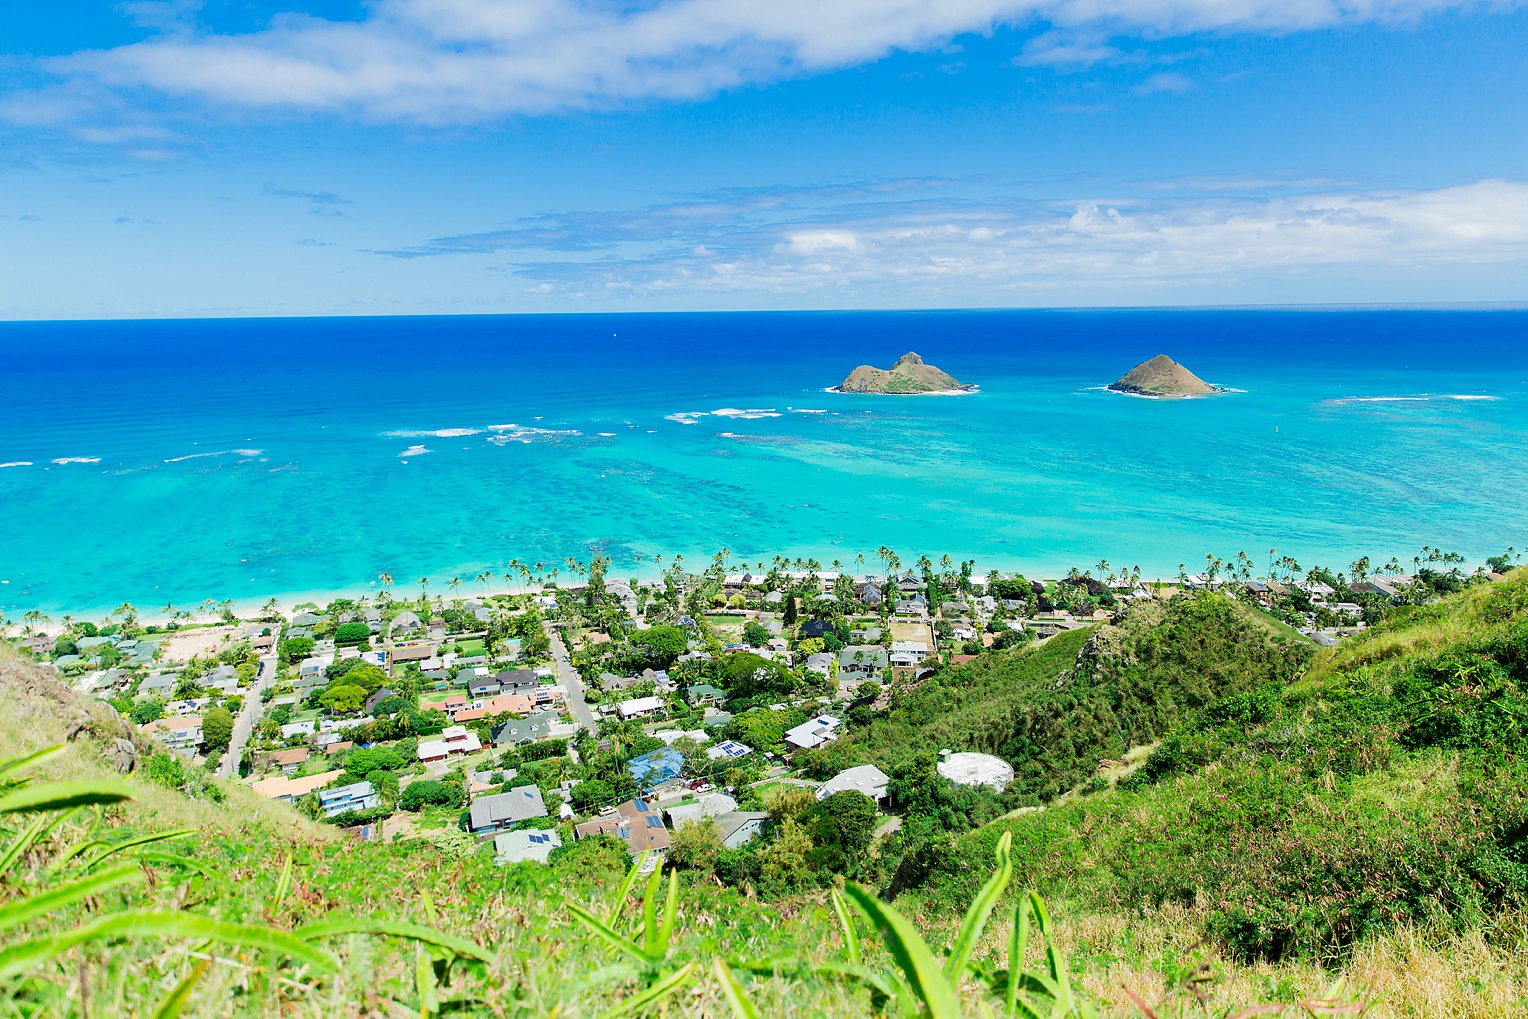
{"points": [[607, 435], [685, 417], [439, 433], [515, 433], [807, 410], [248, 452], [415, 451], [190, 456], [750, 414], [18, 463], [78, 460]]}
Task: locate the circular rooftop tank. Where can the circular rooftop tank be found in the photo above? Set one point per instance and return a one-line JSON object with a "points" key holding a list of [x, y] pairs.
{"points": [[977, 769]]}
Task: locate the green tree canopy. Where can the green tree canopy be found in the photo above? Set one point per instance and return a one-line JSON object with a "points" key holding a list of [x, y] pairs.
{"points": [[145, 712], [217, 728]]}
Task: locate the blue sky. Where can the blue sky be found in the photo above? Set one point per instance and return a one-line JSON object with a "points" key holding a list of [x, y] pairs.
{"points": [[402, 156]]}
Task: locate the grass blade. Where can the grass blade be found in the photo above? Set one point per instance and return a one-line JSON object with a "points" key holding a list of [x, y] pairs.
{"points": [[171, 860], [650, 914], [670, 910], [63, 795], [392, 929], [742, 1008], [142, 840], [22, 910], [31, 760], [980, 909], [21, 843], [911, 953], [283, 883], [148, 924], [424, 982], [172, 1006], [618, 905], [656, 992], [1018, 947], [607, 934], [846, 921]]}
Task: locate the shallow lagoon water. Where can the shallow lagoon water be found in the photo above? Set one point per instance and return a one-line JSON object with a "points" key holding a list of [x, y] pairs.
{"points": [[181, 460]]}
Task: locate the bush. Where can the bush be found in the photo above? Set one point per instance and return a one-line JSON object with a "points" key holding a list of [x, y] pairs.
{"points": [[352, 633], [145, 712], [426, 792], [165, 770], [295, 649], [543, 749]]}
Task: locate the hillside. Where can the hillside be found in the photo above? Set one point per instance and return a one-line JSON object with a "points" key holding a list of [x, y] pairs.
{"points": [[909, 376], [1162, 376], [1365, 810], [1385, 787]]}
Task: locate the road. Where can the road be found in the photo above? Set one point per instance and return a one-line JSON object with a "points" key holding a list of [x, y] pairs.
{"points": [[570, 679], [248, 716]]}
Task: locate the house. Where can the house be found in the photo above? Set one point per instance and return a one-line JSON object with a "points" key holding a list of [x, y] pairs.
{"points": [[656, 767], [866, 635], [525, 730], [914, 606], [404, 622], [610, 681], [917, 650], [525, 846], [454, 739], [180, 734], [644, 830], [701, 694], [641, 707], [510, 704], [290, 790], [700, 809], [412, 653], [469, 715], [517, 681], [730, 749], [672, 736], [815, 628], [482, 687], [338, 747], [288, 761], [871, 595], [739, 827], [453, 702], [821, 663], [866, 778], [814, 732], [497, 812], [158, 686], [313, 668], [867, 660], [306, 727], [377, 696], [356, 796]]}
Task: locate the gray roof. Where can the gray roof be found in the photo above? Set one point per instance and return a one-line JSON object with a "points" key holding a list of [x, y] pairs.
{"points": [[517, 730], [518, 804]]}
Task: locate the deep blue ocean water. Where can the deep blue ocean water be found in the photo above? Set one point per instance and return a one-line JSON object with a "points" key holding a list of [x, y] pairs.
{"points": [[246, 458]]}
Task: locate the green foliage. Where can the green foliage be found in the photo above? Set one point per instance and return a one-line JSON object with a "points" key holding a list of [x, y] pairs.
{"points": [[342, 699], [165, 770], [295, 649], [217, 728], [842, 827], [352, 633], [427, 792], [745, 674], [762, 728], [145, 712], [754, 633], [660, 645]]}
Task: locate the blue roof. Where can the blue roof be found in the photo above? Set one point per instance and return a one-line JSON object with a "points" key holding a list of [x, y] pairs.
{"points": [[657, 767]]}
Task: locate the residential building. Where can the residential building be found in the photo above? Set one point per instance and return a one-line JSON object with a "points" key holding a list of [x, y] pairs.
{"points": [[306, 727], [356, 796], [814, 732], [740, 827], [525, 730], [656, 767], [641, 707], [455, 739], [525, 846], [517, 681], [288, 761], [820, 663], [699, 694], [290, 790], [866, 778], [497, 812], [867, 660], [916, 650], [376, 697], [183, 735], [730, 749], [701, 808]]}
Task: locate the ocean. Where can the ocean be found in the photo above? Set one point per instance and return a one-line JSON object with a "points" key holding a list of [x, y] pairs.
{"points": [[174, 461]]}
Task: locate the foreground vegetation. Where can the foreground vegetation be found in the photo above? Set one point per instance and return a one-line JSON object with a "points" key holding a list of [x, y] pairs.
{"points": [[1201, 809]]}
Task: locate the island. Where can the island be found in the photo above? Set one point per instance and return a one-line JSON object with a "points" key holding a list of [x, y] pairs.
{"points": [[908, 377], [1162, 376]]}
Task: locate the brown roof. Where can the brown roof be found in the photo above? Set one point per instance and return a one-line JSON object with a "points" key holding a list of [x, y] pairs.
{"points": [[296, 755], [334, 748], [470, 715]]}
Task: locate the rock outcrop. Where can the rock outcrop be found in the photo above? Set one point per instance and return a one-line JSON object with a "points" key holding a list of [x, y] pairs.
{"points": [[908, 377], [1162, 376]]}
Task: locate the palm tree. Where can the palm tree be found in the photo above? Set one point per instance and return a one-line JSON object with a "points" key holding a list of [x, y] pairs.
{"points": [[455, 583], [423, 582], [270, 609], [838, 567], [385, 579], [31, 621]]}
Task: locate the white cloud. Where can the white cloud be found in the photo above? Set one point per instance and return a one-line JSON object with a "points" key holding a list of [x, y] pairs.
{"points": [[918, 248], [453, 60]]}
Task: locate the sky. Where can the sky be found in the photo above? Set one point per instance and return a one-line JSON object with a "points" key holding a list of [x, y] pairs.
{"points": [[322, 157]]}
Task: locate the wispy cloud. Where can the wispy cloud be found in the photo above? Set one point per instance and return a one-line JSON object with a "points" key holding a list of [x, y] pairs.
{"points": [[928, 245], [316, 197], [465, 60], [1167, 81]]}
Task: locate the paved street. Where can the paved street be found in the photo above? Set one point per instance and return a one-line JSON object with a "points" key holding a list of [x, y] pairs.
{"points": [[568, 677], [245, 723]]}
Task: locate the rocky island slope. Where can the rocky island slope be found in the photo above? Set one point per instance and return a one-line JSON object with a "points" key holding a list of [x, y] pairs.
{"points": [[908, 377], [1162, 376]]}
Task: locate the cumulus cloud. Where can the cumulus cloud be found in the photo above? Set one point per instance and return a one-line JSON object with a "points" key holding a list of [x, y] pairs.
{"points": [[462, 60], [933, 244]]}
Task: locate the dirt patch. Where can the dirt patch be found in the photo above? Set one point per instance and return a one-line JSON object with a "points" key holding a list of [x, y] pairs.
{"points": [[184, 645]]}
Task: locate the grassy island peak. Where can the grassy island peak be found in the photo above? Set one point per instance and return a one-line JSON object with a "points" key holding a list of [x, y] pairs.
{"points": [[909, 376], [1162, 376]]}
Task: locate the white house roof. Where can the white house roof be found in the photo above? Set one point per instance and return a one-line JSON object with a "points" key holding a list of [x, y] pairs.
{"points": [[730, 749], [866, 778], [977, 769], [520, 846], [814, 732], [914, 646]]}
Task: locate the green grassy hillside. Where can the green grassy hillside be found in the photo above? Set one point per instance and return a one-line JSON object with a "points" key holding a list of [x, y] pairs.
{"points": [[1360, 815]]}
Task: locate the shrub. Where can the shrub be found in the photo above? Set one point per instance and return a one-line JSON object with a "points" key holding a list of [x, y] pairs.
{"points": [[426, 792], [352, 633]]}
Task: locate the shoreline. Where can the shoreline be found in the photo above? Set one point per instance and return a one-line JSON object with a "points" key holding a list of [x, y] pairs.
{"points": [[963, 391]]}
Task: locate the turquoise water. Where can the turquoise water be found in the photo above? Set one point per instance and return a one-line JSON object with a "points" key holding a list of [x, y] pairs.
{"points": [[251, 458]]}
